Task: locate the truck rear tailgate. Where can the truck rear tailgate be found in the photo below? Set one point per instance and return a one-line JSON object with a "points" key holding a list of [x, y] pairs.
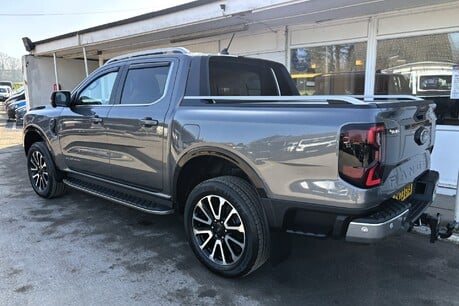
{"points": [[408, 141]]}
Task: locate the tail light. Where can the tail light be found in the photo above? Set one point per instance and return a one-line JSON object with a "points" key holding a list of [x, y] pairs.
{"points": [[361, 154]]}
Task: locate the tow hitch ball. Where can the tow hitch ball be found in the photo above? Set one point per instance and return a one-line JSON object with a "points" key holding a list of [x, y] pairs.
{"points": [[434, 224]]}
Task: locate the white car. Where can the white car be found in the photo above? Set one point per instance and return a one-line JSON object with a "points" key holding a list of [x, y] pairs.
{"points": [[5, 92]]}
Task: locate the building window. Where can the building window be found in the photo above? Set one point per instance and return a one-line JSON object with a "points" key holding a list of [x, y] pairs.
{"points": [[424, 64], [329, 70]]}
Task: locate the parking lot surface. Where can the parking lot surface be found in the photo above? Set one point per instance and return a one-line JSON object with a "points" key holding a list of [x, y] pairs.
{"points": [[81, 250]]}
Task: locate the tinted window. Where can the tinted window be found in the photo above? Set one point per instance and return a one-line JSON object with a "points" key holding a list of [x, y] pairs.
{"points": [[144, 85], [237, 78], [99, 91]]}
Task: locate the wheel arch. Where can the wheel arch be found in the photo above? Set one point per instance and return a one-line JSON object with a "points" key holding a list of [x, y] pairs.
{"points": [[218, 162], [33, 134]]}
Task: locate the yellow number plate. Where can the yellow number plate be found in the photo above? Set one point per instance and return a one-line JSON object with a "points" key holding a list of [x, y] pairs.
{"points": [[404, 193]]}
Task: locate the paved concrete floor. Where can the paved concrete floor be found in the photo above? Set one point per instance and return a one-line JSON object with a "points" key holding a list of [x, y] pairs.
{"points": [[81, 250]]}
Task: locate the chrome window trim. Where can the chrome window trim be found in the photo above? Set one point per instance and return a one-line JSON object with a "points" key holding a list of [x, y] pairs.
{"points": [[166, 89], [96, 105], [277, 82]]}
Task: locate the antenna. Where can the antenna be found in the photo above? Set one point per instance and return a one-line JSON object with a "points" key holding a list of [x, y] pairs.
{"points": [[225, 50]]}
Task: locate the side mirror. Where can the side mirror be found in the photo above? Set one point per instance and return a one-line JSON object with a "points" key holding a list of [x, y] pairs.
{"points": [[61, 98]]}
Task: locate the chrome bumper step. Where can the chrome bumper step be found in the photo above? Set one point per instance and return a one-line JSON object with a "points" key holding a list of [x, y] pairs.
{"points": [[386, 222]]}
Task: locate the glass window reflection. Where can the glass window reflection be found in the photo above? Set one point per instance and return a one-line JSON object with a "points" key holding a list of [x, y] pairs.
{"points": [[425, 62], [329, 70]]}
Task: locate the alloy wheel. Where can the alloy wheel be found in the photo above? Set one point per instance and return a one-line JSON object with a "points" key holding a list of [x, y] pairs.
{"points": [[39, 171], [218, 230]]}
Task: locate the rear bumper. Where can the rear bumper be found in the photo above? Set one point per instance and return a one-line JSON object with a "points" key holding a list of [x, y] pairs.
{"points": [[366, 226], [369, 232], [395, 217]]}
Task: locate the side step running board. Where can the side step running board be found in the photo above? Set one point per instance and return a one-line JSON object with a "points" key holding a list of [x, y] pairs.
{"points": [[119, 197]]}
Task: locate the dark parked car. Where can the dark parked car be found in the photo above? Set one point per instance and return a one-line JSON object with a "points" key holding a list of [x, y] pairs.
{"points": [[16, 96], [11, 110], [20, 112]]}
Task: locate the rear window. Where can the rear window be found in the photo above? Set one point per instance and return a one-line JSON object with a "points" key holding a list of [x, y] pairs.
{"points": [[229, 77]]}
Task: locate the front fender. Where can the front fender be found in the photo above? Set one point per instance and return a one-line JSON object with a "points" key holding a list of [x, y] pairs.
{"points": [[34, 133]]}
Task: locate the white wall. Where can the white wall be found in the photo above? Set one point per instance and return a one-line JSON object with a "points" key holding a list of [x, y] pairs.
{"points": [[39, 76], [266, 45], [326, 34], [433, 20], [445, 158]]}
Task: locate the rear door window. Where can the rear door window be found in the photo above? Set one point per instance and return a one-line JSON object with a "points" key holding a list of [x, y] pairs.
{"points": [[145, 85]]}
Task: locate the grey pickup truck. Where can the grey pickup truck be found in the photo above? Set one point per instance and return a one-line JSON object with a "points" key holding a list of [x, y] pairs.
{"points": [[228, 142]]}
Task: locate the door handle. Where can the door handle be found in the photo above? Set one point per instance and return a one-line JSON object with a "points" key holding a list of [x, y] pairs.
{"points": [[149, 122], [96, 119]]}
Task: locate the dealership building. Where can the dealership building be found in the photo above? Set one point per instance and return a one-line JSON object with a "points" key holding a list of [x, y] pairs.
{"points": [[373, 47]]}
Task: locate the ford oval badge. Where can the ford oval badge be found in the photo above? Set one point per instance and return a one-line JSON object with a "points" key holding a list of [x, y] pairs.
{"points": [[422, 136]]}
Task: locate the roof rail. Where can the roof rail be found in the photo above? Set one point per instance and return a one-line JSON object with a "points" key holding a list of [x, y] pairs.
{"points": [[386, 97], [313, 99], [324, 99], [178, 50]]}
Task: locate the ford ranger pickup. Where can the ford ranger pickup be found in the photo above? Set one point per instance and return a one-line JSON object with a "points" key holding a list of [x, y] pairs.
{"points": [[229, 143]]}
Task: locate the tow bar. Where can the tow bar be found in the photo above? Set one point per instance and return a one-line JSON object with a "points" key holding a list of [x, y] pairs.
{"points": [[434, 224]]}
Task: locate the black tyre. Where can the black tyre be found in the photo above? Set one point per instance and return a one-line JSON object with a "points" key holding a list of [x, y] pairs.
{"points": [[226, 227], [45, 179]]}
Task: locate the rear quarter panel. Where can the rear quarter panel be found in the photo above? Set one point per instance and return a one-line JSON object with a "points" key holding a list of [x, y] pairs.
{"points": [[294, 149]]}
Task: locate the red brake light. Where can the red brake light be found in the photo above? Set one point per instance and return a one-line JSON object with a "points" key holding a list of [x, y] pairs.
{"points": [[371, 180], [360, 154], [374, 135]]}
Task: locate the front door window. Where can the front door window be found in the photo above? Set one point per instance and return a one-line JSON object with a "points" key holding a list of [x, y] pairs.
{"points": [[98, 92]]}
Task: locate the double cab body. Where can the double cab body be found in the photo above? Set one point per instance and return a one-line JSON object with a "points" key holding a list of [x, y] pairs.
{"points": [[229, 142]]}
